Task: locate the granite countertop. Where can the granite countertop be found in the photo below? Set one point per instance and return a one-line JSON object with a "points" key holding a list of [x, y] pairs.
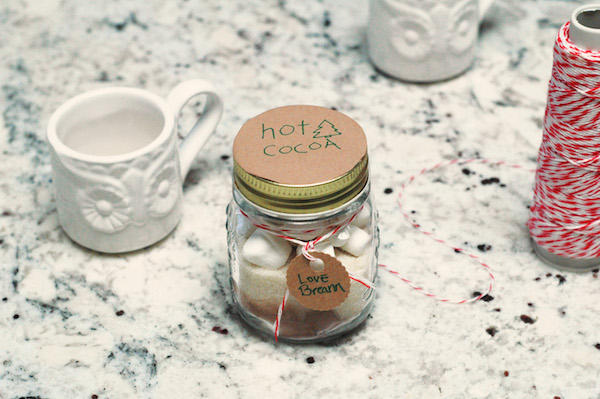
{"points": [[160, 323]]}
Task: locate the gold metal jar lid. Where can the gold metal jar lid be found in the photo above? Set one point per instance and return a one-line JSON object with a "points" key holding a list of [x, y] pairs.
{"points": [[300, 159]]}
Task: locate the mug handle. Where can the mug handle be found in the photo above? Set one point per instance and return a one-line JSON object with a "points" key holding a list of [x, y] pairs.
{"points": [[484, 6], [207, 122]]}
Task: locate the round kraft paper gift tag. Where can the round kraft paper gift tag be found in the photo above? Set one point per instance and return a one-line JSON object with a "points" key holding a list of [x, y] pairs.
{"points": [[318, 290], [299, 145]]}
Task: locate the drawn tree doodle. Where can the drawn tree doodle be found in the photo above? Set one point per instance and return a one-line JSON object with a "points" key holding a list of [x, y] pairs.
{"points": [[326, 129]]}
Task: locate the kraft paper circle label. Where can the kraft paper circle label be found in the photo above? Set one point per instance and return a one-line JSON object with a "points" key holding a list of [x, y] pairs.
{"points": [[299, 144], [318, 290]]}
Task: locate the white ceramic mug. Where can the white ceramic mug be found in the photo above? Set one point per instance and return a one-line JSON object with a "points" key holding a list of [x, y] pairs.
{"points": [[117, 167], [424, 40]]}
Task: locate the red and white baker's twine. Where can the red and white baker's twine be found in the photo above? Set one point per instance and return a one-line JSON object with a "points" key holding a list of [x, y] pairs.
{"points": [[565, 216], [307, 248], [441, 241]]}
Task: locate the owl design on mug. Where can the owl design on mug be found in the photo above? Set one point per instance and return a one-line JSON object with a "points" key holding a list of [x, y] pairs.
{"points": [[443, 27], [113, 196], [422, 40]]}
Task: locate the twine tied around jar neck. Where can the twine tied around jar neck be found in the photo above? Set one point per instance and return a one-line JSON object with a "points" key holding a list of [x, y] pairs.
{"points": [[309, 246]]}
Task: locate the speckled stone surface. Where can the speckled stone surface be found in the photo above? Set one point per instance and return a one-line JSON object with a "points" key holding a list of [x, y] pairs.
{"points": [[159, 323]]}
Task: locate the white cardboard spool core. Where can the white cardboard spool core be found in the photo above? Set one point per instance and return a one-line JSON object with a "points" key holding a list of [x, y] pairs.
{"points": [[584, 30]]}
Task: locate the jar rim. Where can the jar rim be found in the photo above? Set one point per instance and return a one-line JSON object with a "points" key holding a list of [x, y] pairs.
{"points": [[361, 197], [302, 199]]}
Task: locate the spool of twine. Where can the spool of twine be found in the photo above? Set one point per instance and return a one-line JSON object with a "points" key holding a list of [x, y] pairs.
{"points": [[565, 216]]}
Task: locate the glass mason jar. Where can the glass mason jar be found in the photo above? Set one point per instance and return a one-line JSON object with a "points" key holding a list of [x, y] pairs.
{"points": [[302, 228]]}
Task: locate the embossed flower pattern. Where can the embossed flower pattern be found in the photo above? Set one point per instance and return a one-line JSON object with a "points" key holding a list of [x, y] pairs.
{"points": [[105, 209], [162, 193]]}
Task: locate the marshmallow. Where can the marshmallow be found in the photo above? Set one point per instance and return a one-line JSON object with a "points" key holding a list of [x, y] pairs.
{"points": [[355, 302], [358, 242], [266, 250], [341, 237], [363, 218], [325, 248]]}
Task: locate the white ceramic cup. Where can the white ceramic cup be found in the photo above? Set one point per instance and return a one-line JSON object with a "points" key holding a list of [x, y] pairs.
{"points": [[424, 40], [117, 167]]}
